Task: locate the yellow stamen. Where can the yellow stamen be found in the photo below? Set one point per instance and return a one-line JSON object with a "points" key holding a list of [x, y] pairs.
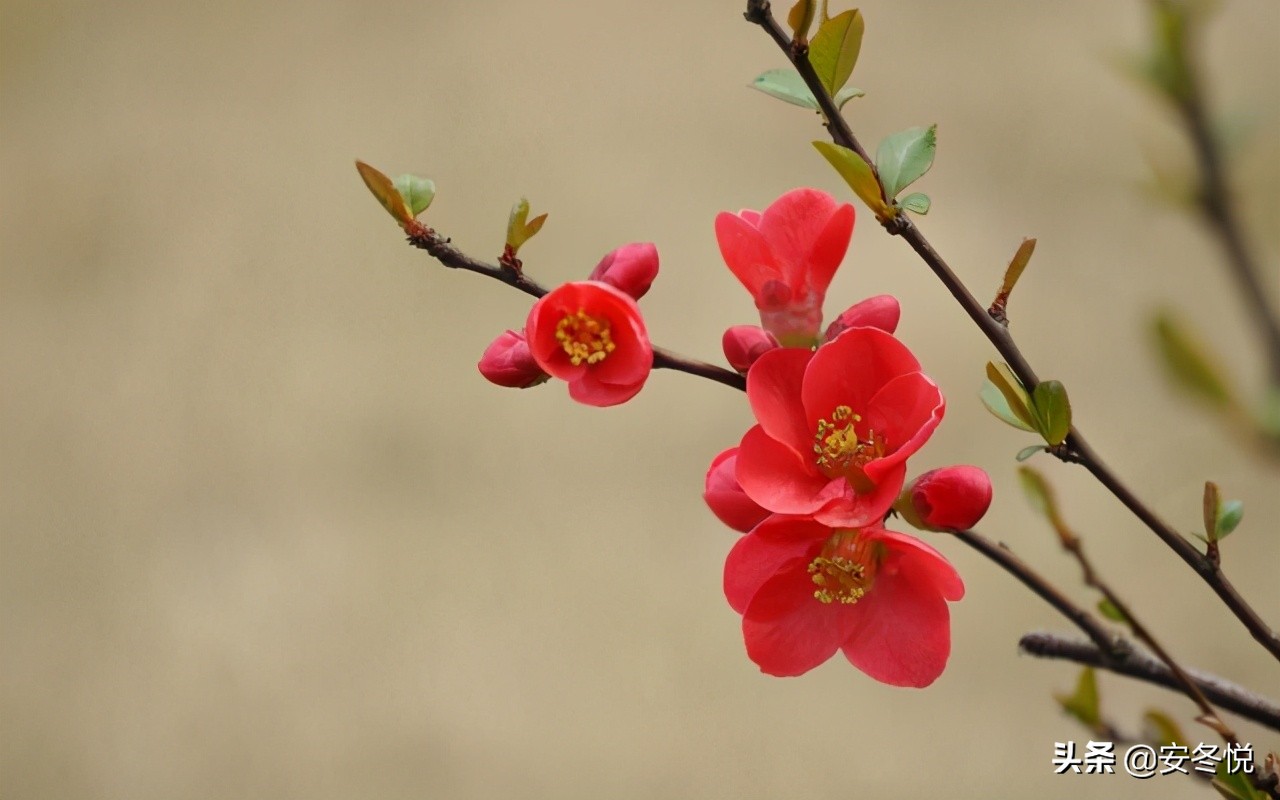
{"points": [[846, 568], [837, 446], [586, 339]]}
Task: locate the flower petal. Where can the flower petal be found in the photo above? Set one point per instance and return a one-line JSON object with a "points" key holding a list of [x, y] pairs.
{"points": [[905, 412], [850, 370], [789, 632], [908, 554], [776, 477], [902, 633], [724, 496], [808, 233], [774, 387], [745, 252], [759, 555]]}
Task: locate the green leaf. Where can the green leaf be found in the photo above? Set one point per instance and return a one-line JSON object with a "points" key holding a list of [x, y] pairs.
{"points": [[1229, 517], [382, 188], [917, 202], [846, 94], [1188, 363], [417, 192], [903, 157], [1015, 394], [1084, 703], [1161, 729], [1235, 785], [996, 403], [518, 230], [1052, 410], [835, 47], [786, 84], [801, 17], [1027, 452], [1108, 609], [857, 173], [1042, 499]]}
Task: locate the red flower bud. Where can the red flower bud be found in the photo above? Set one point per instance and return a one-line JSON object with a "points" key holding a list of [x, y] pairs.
{"points": [[725, 497], [508, 362], [631, 268], [743, 344], [951, 498], [881, 311]]}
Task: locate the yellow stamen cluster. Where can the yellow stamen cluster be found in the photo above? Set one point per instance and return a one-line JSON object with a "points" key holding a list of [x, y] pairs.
{"points": [[846, 568], [586, 339], [837, 579], [837, 446]]}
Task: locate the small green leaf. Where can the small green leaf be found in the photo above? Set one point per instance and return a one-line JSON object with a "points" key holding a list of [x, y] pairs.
{"points": [[1084, 703], [417, 192], [1015, 394], [903, 157], [846, 94], [1108, 609], [1040, 494], [382, 188], [1235, 785], [1188, 363], [996, 403], [518, 230], [917, 202], [1052, 411], [1229, 517], [1212, 506], [857, 173], [801, 17], [835, 47], [786, 84], [1028, 452], [1161, 729]]}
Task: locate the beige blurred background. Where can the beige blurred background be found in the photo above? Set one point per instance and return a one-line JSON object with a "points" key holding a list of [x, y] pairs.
{"points": [[267, 533]]}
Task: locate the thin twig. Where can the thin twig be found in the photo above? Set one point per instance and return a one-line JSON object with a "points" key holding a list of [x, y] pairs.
{"points": [[1137, 664], [439, 248], [1075, 448]]}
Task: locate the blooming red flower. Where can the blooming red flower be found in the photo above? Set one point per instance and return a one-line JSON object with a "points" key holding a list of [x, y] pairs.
{"points": [[950, 498], [806, 590], [786, 257], [836, 427], [725, 497], [631, 268], [591, 335], [508, 362]]}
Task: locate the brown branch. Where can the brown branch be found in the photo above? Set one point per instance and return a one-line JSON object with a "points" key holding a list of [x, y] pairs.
{"points": [[1136, 664], [439, 248], [1075, 448]]}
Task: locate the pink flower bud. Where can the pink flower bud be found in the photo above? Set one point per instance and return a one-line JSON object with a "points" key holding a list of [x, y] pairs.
{"points": [[725, 497], [881, 311], [631, 268], [950, 498], [508, 362], [743, 344]]}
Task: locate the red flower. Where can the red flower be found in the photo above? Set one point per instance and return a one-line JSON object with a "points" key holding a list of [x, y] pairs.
{"points": [[591, 335], [630, 268], [725, 497], [786, 258], [806, 590], [508, 362], [836, 427], [951, 498]]}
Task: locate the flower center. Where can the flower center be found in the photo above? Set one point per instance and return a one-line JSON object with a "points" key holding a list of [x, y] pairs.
{"points": [[586, 339], [839, 450], [845, 569]]}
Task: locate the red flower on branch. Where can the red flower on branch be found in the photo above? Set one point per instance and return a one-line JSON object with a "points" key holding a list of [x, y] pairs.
{"points": [[592, 336], [786, 257], [631, 268], [806, 590], [836, 427]]}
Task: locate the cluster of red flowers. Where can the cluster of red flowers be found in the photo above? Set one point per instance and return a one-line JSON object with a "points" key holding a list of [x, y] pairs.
{"points": [[838, 412]]}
